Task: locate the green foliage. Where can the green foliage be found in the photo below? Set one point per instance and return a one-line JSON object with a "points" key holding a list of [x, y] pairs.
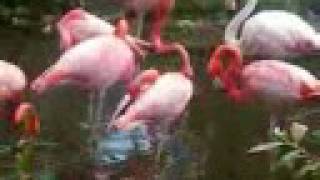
{"points": [[292, 156]]}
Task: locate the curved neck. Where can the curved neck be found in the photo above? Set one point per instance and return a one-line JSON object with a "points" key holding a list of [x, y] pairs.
{"points": [[234, 26], [159, 16], [231, 72], [185, 67], [232, 53]]}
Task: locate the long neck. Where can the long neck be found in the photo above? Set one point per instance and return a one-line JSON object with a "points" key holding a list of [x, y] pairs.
{"points": [[159, 16], [234, 26], [185, 67]]}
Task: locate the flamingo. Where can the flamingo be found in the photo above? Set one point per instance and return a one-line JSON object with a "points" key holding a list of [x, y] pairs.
{"points": [[275, 82], [272, 34], [94, 64], [160, 99]]}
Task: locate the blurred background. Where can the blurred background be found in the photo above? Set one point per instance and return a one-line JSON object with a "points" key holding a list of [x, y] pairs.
{"points": [[216, 134]]}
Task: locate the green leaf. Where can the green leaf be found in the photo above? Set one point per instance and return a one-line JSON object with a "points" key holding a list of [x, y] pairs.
{"points": [[289, 159], [264, 147], [307, 168]]}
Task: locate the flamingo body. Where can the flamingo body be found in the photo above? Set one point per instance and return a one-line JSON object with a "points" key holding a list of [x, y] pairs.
{"points": [[271, 80], [98, 62], [162, 103], [276, 81], [12, 80], [276, 33], [78, 25], [271, 34]]}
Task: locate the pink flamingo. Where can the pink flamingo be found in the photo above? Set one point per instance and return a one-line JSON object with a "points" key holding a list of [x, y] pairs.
{"points": [[159, 99], [272, 34], [275, 82], [94, 64]]}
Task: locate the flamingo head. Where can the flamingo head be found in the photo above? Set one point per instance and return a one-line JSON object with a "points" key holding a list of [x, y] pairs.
{"points": [[25, 116], [143, 82], [215, 65]]}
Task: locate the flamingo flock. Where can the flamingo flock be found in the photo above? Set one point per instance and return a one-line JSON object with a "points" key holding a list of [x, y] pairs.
{"points": [[95, 55]]}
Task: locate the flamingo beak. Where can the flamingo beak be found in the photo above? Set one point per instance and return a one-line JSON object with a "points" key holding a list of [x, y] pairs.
{"points": [[214, 71], [213, 68]]}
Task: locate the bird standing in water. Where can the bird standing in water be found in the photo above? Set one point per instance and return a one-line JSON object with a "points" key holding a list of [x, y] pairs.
{"points": [[159, 100], [277, 83]]}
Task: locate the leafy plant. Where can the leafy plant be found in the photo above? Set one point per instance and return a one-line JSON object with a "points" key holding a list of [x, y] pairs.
{"points": [[291, 154]]}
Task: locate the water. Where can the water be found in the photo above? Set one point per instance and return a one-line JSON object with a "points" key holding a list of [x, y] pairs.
{"points": [[211, 144]]}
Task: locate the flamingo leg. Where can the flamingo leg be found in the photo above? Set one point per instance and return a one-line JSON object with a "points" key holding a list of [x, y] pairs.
{"points": [[120, 107], [91, 116], [277, 123], [273, 129], [99, 116]]}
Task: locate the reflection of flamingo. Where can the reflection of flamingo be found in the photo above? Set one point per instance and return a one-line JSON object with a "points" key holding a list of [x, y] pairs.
{"points": [[272, 33], [275, 82], [12, 81]]}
